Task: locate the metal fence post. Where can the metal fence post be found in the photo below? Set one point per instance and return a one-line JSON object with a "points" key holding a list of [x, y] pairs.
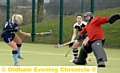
{"points": [[92, 6], [81, 6], [61, 22], [33, 19], [8, 10]]}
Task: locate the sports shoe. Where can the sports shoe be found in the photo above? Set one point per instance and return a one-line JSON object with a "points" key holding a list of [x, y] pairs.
{"points": [[101, 64], [16, 64], [19, 57], [71, 61]]}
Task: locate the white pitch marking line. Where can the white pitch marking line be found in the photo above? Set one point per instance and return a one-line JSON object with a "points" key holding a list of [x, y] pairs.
{"points": [[11, 54], [36, 52], [53, 54]]}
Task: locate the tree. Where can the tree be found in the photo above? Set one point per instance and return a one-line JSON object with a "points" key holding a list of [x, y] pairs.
{"points": [[40, 8]]}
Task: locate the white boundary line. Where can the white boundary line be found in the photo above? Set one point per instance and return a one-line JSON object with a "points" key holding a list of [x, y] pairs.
{"points": [[11, 54], [38, 52], [32, 53]]}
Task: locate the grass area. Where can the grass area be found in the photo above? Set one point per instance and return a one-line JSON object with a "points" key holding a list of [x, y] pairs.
{"points": [[111, 31], [46, 55]]}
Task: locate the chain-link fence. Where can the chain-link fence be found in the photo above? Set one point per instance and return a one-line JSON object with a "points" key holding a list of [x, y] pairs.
{"points": [[52, 9], [72, 7], [23, 7], [2, 13]]}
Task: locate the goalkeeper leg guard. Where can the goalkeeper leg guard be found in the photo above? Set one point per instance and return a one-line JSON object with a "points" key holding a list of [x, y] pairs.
{"points": [[81, 58], [97, 47]]}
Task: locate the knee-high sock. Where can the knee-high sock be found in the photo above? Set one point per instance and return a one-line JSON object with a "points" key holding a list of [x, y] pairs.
{"points": [[19, 47], [15, 55], [75, 53]]}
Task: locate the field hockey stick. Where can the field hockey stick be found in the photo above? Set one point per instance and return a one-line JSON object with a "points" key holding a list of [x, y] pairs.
{"points": [[70, 49], [65, 44], [68, 52], [43, 33]]}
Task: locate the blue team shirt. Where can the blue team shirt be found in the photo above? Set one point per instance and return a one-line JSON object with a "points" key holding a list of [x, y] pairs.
{"points": [[10, 28]]}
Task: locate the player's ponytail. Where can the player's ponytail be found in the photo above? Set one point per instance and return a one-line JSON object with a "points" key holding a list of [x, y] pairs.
{"points": [[16, 17], [13, 18]]}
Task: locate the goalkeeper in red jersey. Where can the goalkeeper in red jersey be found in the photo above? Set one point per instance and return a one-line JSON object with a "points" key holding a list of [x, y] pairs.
{"points": [[96, 38]]}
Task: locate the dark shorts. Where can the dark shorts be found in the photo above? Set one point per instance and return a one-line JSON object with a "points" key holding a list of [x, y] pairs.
{"points": [[8, 39]]}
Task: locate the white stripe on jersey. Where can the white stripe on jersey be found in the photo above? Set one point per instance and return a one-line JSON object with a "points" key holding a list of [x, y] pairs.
{"points": [[76, 24]]}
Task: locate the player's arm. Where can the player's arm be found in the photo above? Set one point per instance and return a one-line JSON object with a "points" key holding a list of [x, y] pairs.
{"points": [[83, 31], [73, 37], [85, 40], [111, 19], [24, 33], [102, 20], [74, 34]]}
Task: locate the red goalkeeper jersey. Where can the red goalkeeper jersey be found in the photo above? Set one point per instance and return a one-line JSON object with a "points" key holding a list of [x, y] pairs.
{"points": [[93, 28]]}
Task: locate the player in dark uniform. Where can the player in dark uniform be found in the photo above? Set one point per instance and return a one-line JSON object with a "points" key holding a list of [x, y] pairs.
{"points": [[9, 36], [78, 26], [96, 38]]}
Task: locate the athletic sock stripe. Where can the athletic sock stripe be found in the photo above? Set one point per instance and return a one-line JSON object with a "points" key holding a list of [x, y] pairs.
{"points": [[75, 50], [75, 53], [75, 57]]}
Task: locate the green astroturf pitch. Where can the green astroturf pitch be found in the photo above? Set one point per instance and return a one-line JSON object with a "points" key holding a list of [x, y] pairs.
{"points": [[47, 55]]}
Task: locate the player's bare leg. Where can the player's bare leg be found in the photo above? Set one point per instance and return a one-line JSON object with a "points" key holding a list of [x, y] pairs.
{"points": [[75, 50], [14, 52], [18, 41]]}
